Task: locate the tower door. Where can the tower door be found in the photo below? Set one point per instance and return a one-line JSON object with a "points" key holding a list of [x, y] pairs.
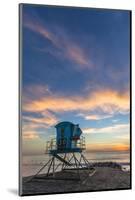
{"points": [[62, 140], [62, 132]]}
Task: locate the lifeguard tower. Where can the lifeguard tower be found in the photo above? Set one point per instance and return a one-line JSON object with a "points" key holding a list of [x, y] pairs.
{"points": [[65, 152]]}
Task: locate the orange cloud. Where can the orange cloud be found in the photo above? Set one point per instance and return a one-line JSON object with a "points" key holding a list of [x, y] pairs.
{"points": [[31, 124], [95, 117], [44, 101], [121, 147], [30, 135], [47, 119], [107, 147], [109, 101]]}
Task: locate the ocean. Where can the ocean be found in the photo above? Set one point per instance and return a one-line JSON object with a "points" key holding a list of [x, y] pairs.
{"points": [[32, 163]]}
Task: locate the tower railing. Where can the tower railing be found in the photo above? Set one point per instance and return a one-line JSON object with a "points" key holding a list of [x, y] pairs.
{"points": [[51, 145], [54, 145]]}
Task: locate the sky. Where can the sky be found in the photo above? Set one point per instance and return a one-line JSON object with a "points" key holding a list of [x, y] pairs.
{"points": [[75, 67]]}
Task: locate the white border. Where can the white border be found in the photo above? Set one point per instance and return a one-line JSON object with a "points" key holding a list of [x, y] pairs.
{"points": [[9, 97]]}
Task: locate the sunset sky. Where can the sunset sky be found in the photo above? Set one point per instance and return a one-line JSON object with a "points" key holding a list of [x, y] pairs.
{"points": [[75, 67]]}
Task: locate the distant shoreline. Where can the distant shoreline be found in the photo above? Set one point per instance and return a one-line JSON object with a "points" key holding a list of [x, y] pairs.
{"points": [[103, 164]]}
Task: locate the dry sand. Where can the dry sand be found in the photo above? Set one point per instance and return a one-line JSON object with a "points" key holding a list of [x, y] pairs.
{"points": [[103, 178]]}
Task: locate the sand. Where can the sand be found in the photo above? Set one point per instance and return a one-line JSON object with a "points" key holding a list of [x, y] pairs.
{"points": [[102, 178]]}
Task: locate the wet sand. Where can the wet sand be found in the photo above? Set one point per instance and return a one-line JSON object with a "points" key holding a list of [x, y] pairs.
{"points": [[102, 178]]}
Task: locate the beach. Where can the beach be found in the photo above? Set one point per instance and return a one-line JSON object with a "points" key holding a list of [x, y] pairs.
{"points": [[102, 178]]}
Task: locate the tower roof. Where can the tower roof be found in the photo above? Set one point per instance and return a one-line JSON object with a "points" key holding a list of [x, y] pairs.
{"points": [[63, 123]]}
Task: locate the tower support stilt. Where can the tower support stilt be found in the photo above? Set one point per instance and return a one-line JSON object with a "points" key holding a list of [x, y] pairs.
{"points": [[74, 163]]}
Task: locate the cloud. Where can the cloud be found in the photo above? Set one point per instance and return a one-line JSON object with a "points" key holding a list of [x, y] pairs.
{"points": [[94, 117], [109, 101], [34, 25], [123, 137], [60, 40], [115, 129], [96, 147], [30, 135], [34, 92], [77, 55], [118, 138], [43, 104], [46, 119], [29, 130], [115, 120], [32, 125]]}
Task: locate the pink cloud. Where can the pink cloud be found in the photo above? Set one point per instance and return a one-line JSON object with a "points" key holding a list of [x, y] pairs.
{"points": [[70, 50]]}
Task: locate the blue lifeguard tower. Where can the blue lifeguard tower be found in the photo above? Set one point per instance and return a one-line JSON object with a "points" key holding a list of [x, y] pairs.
{"points": [[68, 139], [66, 152]]}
